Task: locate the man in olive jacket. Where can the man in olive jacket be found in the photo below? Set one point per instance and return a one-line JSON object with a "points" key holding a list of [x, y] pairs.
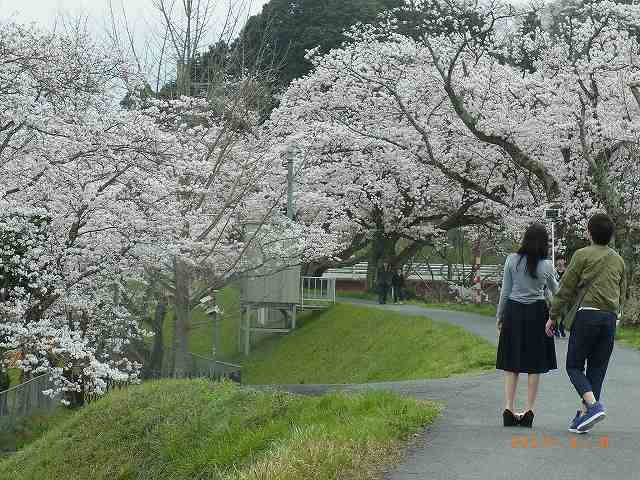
{"points": [[593, 330]]}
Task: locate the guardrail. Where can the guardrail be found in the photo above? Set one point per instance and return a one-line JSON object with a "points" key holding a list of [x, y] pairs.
{"points": [[317, 291], [422, 272]]}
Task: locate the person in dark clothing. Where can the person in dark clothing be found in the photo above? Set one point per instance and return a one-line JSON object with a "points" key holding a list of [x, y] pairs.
{"points": [[401, 293], [560, 268], [395, 283], [383, 284], [595, 283]]}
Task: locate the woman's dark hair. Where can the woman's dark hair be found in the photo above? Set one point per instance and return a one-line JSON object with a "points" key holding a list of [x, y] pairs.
{"points": [[535, 246], [601, 228]]}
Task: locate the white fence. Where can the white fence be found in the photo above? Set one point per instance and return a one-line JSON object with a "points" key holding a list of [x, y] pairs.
{"points": [[317, 291], [423, 272]]}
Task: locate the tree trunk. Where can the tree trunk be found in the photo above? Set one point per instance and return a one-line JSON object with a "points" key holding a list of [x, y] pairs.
{"points": [[4, 379], [182, 325], [383, 250], [75, 399], [372, 270], [157, 349]]}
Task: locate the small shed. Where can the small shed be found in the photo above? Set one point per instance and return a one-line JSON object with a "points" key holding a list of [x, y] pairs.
{"points": [[268, 304]]}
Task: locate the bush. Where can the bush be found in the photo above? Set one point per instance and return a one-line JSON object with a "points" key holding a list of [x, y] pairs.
{"points": [[631, 314]]}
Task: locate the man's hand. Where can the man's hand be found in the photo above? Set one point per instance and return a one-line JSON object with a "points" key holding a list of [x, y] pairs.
{"points": [[550, 327], [498, 324]]}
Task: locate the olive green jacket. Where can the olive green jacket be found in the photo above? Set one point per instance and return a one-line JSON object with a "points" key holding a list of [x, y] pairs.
{"points": [[607, 291]]}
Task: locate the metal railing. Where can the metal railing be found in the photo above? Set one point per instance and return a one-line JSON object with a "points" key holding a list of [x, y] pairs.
{"points": [[421, 272], [197, 366], [27, 398], [319, 291]]}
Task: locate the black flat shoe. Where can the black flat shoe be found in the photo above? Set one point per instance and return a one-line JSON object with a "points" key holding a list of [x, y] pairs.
{"points": [[509, 419], [527, 419]]}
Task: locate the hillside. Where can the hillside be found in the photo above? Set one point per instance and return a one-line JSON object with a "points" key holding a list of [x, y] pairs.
{"points": [[181, 429], [356, 344]]}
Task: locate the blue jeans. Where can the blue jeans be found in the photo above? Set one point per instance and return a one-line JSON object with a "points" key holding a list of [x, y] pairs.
{"points": [[591, 343]]}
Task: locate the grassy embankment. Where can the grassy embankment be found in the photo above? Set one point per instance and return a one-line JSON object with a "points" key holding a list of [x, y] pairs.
{"points": [[358, 344], [345, 344], [629, 336], [15, 434], [197, 430]]}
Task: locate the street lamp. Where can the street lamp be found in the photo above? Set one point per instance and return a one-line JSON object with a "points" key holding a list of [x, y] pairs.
{"points": [[209, 305], [635, 89], [552, 214]]}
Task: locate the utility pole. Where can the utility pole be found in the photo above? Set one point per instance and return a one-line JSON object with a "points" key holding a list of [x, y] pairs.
{"points": [[290, 184], [635, 89], [552, 214], [213, 315], [210, 305], [292, 318]]}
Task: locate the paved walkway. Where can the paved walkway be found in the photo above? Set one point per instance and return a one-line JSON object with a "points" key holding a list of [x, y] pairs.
{"points": [[469, 443]]}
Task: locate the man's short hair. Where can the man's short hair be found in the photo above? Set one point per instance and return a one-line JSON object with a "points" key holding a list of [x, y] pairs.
{"points": [[601, 228]]}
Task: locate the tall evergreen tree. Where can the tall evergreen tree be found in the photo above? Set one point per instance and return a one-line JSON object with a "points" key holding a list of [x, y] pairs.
{"points": [[286, 29]]}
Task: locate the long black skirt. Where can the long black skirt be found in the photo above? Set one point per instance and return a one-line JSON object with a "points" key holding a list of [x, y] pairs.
{"points": [[524, 347]]}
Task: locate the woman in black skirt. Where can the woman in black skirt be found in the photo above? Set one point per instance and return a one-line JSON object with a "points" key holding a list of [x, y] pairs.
{"points": [[523, 346]]}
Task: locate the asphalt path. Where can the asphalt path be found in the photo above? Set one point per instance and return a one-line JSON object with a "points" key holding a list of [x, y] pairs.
{"points": [[468, 442]]}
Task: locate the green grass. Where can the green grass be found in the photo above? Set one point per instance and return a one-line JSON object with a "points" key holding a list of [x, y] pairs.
{"points": [[14, 376], [16, 434], [480, 309], [359, 295], [629, 336], [178, 429], [357, 344], [487, 309]]}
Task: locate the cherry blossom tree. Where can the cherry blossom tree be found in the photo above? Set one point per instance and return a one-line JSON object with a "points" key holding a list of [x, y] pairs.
{"points": [[72, 166], [93, 194], [453, 109], [225, 179], [596, 49], [383, 162], [220, 180]]}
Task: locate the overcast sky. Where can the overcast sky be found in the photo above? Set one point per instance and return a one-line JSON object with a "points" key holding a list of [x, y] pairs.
{"points": [[140, 13], [143, 20]]}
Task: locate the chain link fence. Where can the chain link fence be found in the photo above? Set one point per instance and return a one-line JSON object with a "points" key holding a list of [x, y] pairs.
{"points": [[198, 366], [27, 397]]}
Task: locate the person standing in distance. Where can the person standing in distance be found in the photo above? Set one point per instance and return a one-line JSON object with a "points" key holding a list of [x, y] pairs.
{"points": [[384, 282], [561, 266]]}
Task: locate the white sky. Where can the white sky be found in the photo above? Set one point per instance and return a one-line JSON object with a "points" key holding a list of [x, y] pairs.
{"points": [[143, 19], [140, 13]]}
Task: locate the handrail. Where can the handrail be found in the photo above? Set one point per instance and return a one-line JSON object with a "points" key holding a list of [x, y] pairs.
{"points": [[22, 384], [217, 362], [319, 289]]}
